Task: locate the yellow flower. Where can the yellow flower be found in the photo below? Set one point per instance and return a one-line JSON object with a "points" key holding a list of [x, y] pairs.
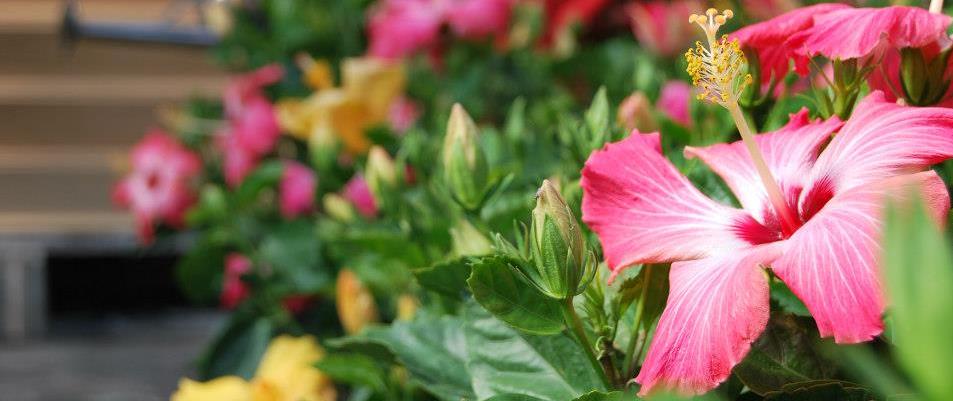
{"points": [[356, 307], [230, 388], [369, 88], [286, 372]]}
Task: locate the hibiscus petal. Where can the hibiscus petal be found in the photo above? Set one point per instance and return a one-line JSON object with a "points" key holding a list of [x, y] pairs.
{"points": [[831, 263], [858, 32], [769, 39], [883, 139], [645, 211], [716, 308], [789, 152]]}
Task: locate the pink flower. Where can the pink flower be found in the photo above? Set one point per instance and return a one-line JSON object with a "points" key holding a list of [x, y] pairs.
{"points": [[256, 128], [399, 28], [765, 9], [860, 32], [157, 189], [477, 19], [674, 102], [298, 184], [359, 194], [237, 161], [244, 88], [645, 211], [234, 290], [663, 26], [562, 14], [403, 114], [769, 39]]}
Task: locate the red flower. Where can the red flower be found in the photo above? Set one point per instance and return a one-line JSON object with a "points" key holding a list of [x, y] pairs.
{"points": [[562, 14], [296, 192], [234, 290]]}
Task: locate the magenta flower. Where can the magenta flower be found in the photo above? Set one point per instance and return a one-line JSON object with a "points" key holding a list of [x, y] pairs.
{"points": [[399, 28], [662, 26], [244, 88], [296, 191], [769, 40], [477, 19], [856, 33], [237, 161], [674, 102], [403, 113], [157, 189], [359, 194], [256, 129], [562, 14], [234, 290], [645, 211]]}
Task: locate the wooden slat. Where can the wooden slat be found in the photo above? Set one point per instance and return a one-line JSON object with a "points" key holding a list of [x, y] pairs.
{"points": [[45, 15], [65, 223], [31, 89], [106, 159]]}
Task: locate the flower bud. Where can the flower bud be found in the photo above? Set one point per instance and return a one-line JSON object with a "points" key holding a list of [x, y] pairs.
{"points": [[468, 241], [355, 304], [464, 163], [922, 78], [558, 249], [338, 208], [635, 112], [381, 173]]}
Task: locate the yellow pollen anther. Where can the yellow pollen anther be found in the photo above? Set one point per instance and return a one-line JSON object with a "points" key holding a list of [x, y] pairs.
{"points": [[718, 70]]}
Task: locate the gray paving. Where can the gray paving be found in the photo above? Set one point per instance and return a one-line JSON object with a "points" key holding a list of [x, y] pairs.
{"points": [[113, 358]]}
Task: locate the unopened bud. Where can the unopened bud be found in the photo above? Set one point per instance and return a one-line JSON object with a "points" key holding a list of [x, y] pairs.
{"points": [[558, 249], [355, 304], [635, 112], [381, 173], [464, 163], [468, 241], [338, 208]]}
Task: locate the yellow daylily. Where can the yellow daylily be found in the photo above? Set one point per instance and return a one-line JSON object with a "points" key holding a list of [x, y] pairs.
{"points": [[369, 88], [355, 304], [231, 388], [285, 373]]}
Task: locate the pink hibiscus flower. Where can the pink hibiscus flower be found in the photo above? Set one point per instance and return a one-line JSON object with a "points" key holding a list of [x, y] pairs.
{"points": [[856, 33], [359, 194], [399, 28], [562, 14], [256, 129], [242, 89], [237, 161], [157, 189], [674, 102], [645, 211], [296, 190], [234, 290], [403, 114], [769, 40], [477, 19], [662, 26]]}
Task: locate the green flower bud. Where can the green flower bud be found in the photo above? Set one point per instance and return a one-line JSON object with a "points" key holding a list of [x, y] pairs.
{"points": [[464, 163], [381, 173], [468, 241], [338, 208], [563, 265]]}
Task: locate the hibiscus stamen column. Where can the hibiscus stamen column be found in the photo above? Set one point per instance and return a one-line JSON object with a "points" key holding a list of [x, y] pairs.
{"points": [[718, 71]]}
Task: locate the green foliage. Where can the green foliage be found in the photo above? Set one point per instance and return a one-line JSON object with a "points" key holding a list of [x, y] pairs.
{"points": [[919, 277], [354, 369], [237, 348], [784, 354], [499, 288]]}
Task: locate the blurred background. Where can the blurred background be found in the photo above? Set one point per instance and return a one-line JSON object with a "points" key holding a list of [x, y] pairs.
{"points": [[85, 314]]}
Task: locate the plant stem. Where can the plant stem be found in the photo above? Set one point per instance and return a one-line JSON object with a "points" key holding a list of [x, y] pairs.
{"points": [[936, 6], [629, 364], [770, 184], [575, 324]]}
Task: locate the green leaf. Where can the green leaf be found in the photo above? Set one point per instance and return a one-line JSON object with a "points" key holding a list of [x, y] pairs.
{"points": [[353, 369], [600, 396], [433, 350], [498, 288], [597, 117], [786, 299], [292, 250], [820, 390], [652, 278], [237, 349], [503, 361], [512, 397], [265, 176], [784, 354], [447, 277], [919, 281], [199, 272]]}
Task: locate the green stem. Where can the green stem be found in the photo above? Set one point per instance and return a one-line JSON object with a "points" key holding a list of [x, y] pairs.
{"points": [[629, 364], [575, 324]]}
